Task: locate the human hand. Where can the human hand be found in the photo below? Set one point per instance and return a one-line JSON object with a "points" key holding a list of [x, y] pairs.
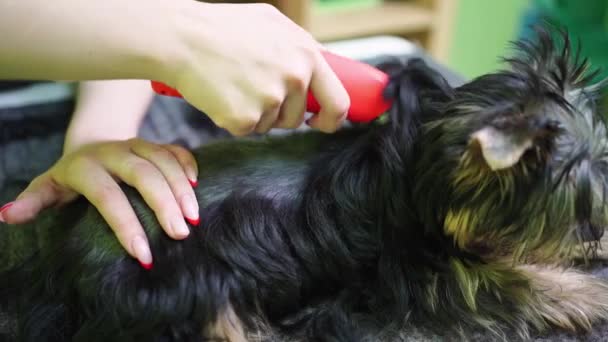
{"points": [[249, 67], [163, 174]]}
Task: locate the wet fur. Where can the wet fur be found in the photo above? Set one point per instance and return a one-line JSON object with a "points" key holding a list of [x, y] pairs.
{"points": [[354, 235]]}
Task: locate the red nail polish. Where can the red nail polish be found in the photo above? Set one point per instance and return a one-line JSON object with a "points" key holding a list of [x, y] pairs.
{"points": [[4, 208], [146, 266], [194, 183], [193, 222]]}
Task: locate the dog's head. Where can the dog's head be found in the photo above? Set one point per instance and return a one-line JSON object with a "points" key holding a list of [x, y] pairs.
{"points": [[522, 155]]}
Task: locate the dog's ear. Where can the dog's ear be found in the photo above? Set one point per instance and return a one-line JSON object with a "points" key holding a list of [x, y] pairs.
{"points": [[499, 149]]}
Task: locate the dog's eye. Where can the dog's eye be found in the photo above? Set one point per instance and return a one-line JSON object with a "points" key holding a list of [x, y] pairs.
{"points": [[508, 122], [546, 125], [552, 125]]}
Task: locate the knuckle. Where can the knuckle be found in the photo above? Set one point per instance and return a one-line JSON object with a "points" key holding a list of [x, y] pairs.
{"points": [[138, 169], [163, 209], [185, 194], [126, 229], [182, 155], [309, 54], [246, 125], [104, 193], [273, 102], [341, 105], [296, 81], [177, 149], [268, 9], [133, 143], [79, 164], [109, 148], [309, 44], [162, 153]]}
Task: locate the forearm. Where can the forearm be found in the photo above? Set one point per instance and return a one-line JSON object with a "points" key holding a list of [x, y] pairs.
{"points": [[84, 40], [107, 110]]}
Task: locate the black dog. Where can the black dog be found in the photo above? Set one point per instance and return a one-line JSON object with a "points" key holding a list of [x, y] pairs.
{"points": [[459, 211]]}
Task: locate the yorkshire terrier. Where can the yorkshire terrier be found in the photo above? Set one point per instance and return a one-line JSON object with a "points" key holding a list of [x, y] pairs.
{"points": [[460, 210]]}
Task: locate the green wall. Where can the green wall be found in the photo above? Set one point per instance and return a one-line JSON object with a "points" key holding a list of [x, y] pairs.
{"points": [[482, 31]]}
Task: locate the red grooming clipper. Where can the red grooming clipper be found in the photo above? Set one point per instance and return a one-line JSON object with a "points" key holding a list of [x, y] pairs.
{"points": [[364, 84]]}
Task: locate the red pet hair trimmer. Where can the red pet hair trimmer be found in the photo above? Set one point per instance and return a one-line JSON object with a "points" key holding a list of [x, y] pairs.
{"points": [[364, 84]]}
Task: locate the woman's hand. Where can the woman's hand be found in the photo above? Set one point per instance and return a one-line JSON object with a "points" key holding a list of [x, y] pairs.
{"points": [[163, 174], [249, 67]]}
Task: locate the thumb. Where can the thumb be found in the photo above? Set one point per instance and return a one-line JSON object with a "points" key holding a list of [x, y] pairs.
{"points": [[39, 195]]}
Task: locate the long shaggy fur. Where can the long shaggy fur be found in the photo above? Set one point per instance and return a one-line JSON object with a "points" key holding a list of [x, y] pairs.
{"points": [[458, 212]]}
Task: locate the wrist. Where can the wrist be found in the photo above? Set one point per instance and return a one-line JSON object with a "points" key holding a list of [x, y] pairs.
{"points": [[166, 49], [194, 33], [78, 137], [152, 46], [85, 129]]}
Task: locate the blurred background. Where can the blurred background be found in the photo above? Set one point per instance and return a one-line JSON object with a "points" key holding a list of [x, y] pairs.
{"points": [[469, 36]]}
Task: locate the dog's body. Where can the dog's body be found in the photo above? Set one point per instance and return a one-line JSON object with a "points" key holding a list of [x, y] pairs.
{"points": [[458, 212]]}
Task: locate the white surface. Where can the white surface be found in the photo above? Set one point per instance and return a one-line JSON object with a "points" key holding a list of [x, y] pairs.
{"points": [[36, 94], [368, 48]]}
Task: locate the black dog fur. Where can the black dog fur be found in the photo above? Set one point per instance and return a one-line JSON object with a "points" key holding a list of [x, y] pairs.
{"points": [[411, 219]]}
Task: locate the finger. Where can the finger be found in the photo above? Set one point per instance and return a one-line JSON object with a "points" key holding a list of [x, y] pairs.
{"points": [[226, 110], [268, 120], [331, 95], [41, 193], [174, 174], [111, 202], [292, 112], [152, 185], [314, 121], [187, 161]]}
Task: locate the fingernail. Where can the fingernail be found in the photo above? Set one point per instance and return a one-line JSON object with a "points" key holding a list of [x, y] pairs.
{"points": [[3, 209], [142, 252], [193, 222], [146, 266], [180, 229], [194, 183], [190, 208]]}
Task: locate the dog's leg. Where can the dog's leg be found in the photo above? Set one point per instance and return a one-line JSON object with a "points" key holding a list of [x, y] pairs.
{"points": [[567, 298], [329, 321], [507, 301], [227, 327]]}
